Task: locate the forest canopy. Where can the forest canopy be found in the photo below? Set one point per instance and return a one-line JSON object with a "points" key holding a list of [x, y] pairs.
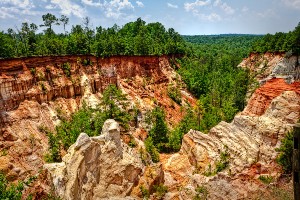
{"points": [[134, 38], [279, 42]]}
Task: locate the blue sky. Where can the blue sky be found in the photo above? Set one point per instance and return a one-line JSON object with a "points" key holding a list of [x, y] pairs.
{"points": [[190, 17]]}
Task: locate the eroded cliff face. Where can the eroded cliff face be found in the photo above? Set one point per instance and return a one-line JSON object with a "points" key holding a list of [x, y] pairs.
{"points": [[247, 144], [270, 65], [35, 91]]}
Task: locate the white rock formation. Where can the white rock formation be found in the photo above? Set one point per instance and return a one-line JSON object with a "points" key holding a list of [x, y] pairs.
{"points": [[249, 139], [99, 167]]}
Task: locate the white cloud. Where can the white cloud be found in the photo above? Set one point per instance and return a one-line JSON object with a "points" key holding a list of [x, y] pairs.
{"points": [[68, 8], [13, 8], [140, 4], [24, 4], [209, 10], [50, 7], [224, 6], [6, 13], [172, 5], [209, 17], [91, 3], [114, 8], [193, 6], [292, 3]]}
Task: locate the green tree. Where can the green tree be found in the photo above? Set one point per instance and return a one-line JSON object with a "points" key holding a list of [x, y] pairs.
{"points": [[64, 20], [49, 20], [10, 191], [114, 104], [159, 130], [285, 157]]}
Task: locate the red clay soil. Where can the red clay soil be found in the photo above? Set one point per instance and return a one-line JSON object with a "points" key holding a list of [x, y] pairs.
{"points": [[264, 95]]}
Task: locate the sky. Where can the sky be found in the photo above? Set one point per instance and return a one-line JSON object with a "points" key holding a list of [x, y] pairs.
{"points": [[188, 17]]}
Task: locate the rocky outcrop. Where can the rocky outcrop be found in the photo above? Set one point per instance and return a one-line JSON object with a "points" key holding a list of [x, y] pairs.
{"points": [[263, 96], [35, 92], [97, 167], [273, 65], [46, 78], [249, 143]]}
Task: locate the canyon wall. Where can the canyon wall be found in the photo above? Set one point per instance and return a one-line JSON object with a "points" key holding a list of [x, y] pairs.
{"points": [[44, 78], [35, 91], [231, 158]]}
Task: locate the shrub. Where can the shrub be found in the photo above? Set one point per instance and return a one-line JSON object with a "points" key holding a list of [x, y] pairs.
{"points": [[10, 191], [43, 87], [266, 179], [33, 71], [159, 130], [151, 149], [145, 192], [286, 153], [87, 62], [224, 161], [160, 190], [132, 143], [201, 193], [87, 120], [66, 68], [175, 94]]}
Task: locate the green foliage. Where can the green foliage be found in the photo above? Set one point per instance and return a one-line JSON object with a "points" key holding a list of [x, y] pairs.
{"points": [[134, 38], [43, 87], [210, 72], [279, 42], [32, 71], [175, 94], [221, 164], [188, 122], [159, 130], [160, 190], [132, 143], [87, 62], [151, 149], [10, 191], [66, 67], [201, 193], [114, 104], [87, 120], [285, 157], [266, 179], [145, 192]]}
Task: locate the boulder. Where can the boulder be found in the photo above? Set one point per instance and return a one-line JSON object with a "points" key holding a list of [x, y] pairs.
{"points": [[99, 167]]}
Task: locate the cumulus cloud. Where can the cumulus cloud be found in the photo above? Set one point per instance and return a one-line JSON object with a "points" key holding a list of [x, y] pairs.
{"points": [[12, 8], [292, 3], [24, 4], [224, 6], [50, 7], [114, 8], [69, 8], [6, 12], [206, 10], [91, 3], [198, 3], [140, 4], [172, 5]]}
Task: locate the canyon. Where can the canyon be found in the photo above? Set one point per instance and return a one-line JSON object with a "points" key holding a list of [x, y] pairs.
{"points": [[34, 91]]}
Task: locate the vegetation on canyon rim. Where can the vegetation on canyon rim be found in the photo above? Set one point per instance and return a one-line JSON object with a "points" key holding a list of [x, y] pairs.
{"points": [[208, 67]]}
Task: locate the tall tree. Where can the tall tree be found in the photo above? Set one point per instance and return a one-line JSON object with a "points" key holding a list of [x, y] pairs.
{"points": [[64, 20], [49, 20]]}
